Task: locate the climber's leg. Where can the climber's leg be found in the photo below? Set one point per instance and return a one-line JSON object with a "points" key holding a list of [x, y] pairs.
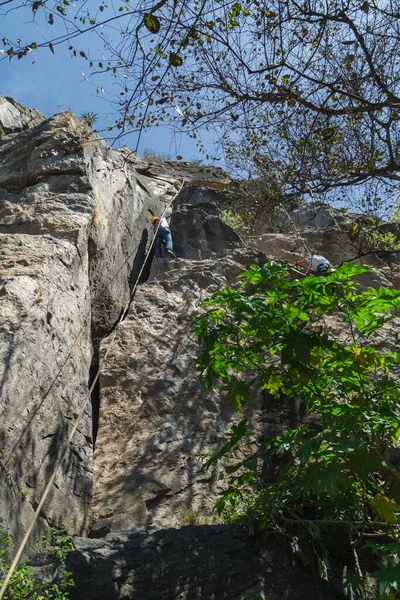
{"points": [[168, 244], [157, 246], [168, 239]]}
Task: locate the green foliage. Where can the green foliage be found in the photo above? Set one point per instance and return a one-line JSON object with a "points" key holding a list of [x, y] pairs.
{"points": [[89, 118], [250, 204], [235, 220], [275, 331], [395, 214], [152, 23], [57, 543], [25, 583], [383, 240], [2, 132]]}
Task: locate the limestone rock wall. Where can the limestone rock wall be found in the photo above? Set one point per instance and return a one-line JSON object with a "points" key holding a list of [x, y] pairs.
{"points": [[74, 229], [73, 217], [15, 117], [156, 423]]}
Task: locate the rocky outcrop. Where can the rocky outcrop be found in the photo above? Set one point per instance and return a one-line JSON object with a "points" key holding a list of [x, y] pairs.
{"points": [[338, 235], [73, 216], [74, 230], [156, 423], [14, 117], [213, 562], [74, 227]]}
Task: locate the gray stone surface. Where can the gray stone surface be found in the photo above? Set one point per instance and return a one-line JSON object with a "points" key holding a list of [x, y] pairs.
{"points": [[45, 308], [14, 117], [213, 562], [208, 199], [336, 245], [197, 234], [155, 420], [74, 229], [187, 172], [74, 217]]}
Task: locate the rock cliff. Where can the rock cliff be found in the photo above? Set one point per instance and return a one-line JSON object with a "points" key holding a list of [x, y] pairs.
{"points": [[74, 218], [74, 231]]}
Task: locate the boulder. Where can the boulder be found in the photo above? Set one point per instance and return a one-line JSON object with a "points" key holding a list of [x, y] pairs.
{"points": [[197, 234], [205, 198], [212, 562], [188, 173]]}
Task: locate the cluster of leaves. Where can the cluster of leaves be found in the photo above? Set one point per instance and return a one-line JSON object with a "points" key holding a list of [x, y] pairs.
{"points": [[334, 472], [26, 582], [255, 199], [395, 214], [370, 234], [384, 240], [236, 221], [89, 118]]}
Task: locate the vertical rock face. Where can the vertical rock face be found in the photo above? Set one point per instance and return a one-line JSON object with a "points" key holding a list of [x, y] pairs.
{"points": [[73, 215], [74, 229], [156, 423]]}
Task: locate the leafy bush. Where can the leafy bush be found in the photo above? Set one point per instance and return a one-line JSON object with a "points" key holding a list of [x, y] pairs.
{"points": [[334, 476], [25, 583], [235, 220], [255, 201]]}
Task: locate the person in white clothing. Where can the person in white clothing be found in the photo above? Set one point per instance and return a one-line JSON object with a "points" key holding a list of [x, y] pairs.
{"points": [[163, 231], [316, 263]]}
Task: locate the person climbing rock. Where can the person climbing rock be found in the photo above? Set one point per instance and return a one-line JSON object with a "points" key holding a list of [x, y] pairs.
{"points": [[163, 231], [317, 264]]}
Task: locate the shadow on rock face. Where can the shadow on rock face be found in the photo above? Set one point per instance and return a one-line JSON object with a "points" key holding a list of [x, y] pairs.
{"points": [[197, 234], [202, 562]]}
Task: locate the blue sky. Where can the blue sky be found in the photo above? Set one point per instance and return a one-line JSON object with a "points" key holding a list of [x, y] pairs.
{"points": [[54, 82]]}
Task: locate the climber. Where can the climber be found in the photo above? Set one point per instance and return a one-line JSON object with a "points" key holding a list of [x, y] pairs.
{"points": [[317, 264], [161, 228]]}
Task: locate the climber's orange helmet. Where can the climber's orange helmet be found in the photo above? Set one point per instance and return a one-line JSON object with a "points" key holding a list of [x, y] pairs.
{"points": [[154, 220]]}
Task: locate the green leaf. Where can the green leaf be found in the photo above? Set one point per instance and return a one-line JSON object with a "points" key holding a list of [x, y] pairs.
{"points": [[152, 23], [175, 60], [387, 575], [236, 9]]}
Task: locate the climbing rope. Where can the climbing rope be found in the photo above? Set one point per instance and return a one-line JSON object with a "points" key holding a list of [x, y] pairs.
{"points": [[80, 414]]}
